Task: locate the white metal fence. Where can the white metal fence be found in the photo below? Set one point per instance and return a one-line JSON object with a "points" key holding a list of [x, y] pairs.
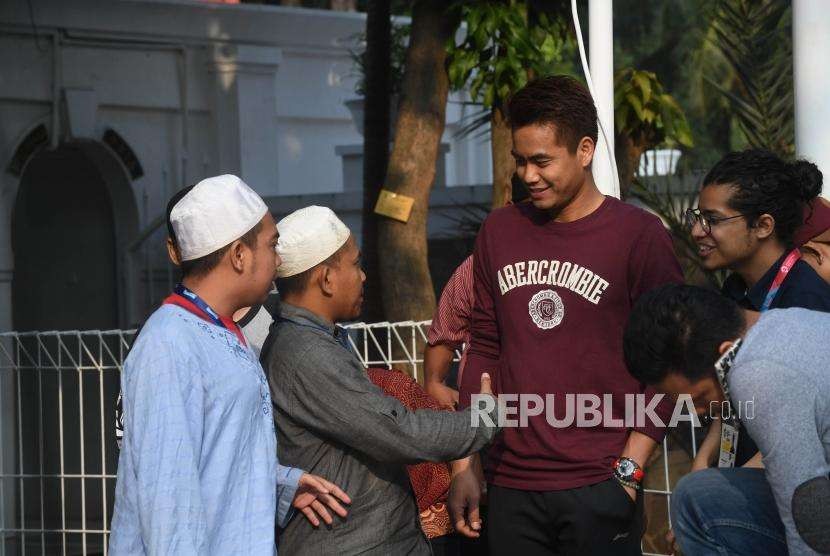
{"points": [[57, 434]]}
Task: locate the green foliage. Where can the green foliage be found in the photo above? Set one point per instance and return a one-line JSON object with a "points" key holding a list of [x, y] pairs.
{"points": [[646, 113], [506, 43], [399, 40], [753, 36]]}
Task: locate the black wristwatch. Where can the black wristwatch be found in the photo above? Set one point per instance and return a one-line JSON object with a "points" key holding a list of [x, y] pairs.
{"points": [[628, 473]]}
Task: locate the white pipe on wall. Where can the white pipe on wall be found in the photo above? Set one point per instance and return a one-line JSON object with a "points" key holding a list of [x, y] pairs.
{"points": [[811, 76], [601, 56]]}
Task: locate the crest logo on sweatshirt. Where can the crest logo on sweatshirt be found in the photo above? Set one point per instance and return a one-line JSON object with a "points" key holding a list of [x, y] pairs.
{"points": [[546, 309]]}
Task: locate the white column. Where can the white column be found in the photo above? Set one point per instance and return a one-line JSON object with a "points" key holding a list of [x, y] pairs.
{"points": [[811, 45], [601, 60], [246, 113]]}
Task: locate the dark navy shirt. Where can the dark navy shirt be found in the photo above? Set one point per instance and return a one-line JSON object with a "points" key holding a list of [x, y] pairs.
{"points": [[802, 288]]}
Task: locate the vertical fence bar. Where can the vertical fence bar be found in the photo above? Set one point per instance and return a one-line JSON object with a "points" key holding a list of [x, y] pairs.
{"points": [[365, 346], [694, 440], [104, 519], [40, 436], [22, 471], [80, 364], [414, 354], [3, 472], [389, 352], [61, 447]]}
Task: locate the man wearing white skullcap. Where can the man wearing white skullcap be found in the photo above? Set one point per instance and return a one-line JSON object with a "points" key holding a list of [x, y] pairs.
{"points": [[198, 470], [330, 418]]}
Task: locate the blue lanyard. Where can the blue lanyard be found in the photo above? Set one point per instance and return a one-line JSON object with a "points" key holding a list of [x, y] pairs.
{"points": [[200, 303], [342, 339]]}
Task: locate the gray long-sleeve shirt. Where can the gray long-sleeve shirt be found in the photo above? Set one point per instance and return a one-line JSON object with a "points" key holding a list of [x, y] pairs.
{"points": [[784, 368], [333, 422]]}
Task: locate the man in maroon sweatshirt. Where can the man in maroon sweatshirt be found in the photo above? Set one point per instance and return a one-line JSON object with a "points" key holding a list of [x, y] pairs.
{"points": [[555, 280]]}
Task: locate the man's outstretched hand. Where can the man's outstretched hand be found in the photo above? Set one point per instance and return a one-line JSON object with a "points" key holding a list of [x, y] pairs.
{"points": [[468, 487], [314, 494]]}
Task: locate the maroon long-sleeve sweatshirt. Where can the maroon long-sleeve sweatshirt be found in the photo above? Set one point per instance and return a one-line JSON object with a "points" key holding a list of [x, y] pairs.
{"points": [[551, 303]]}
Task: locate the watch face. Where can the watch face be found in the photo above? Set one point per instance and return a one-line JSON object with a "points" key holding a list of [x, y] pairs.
{"points": [[626, 468]]}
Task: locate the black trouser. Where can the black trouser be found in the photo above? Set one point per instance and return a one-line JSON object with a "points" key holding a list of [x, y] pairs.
{"points": [[456, 544], [599, 519]]}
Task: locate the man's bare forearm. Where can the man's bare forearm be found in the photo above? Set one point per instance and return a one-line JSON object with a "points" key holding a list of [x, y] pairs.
{"points": [[708, 452], [437, 362], [639, 447]]}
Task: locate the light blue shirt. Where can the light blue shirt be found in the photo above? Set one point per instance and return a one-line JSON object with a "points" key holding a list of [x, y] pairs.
{"points": [[198, 470]]}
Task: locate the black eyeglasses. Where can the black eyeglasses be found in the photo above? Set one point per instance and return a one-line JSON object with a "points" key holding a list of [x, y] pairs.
{"points": [[694, 216]]}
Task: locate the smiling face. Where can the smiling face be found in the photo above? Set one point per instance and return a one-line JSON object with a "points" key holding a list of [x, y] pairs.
{"points": [[729, 242], [554, 176]]}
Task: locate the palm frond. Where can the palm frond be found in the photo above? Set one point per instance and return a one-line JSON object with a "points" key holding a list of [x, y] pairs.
{"points": [[752, 36]]}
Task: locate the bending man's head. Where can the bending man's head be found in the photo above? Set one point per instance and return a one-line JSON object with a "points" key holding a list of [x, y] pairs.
{"points": [[674, 336], [321, 264]]}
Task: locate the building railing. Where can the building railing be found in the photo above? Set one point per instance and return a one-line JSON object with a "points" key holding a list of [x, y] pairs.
{"points": [[58, 455]]}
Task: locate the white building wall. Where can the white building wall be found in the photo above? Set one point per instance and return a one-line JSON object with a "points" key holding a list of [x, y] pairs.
{"points": [[195, 89]]}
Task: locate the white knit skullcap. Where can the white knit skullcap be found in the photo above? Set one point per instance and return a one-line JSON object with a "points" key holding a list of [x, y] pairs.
{"points": [[308, 237], [216, 212]]}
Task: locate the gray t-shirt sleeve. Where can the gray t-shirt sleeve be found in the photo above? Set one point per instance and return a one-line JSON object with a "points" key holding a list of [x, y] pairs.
{"points": [[788, 423]]}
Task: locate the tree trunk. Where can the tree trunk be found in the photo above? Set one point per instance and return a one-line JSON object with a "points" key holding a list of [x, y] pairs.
{"points": [[627, 153], [407, 284], [375, 145], [349, 6], [501, 143]]}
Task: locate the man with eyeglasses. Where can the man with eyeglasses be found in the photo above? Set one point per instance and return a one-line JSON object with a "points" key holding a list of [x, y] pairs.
{"points": [[749, 219], [750, 207]]}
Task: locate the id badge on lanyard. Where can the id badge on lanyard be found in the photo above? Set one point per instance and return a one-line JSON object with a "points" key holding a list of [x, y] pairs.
{"points": [[729, 432], [728, 444], [729, 427]]}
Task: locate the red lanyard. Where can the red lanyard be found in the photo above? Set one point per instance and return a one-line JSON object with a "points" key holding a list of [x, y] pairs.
{"points": [[785, 269], [183, 302]]}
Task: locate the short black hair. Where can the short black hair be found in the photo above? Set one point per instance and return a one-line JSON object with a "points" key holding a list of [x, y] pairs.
{"points": [[560, 100], [677, 329], [297, 283], [203, 265], [177, 196], [766, 184]]}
